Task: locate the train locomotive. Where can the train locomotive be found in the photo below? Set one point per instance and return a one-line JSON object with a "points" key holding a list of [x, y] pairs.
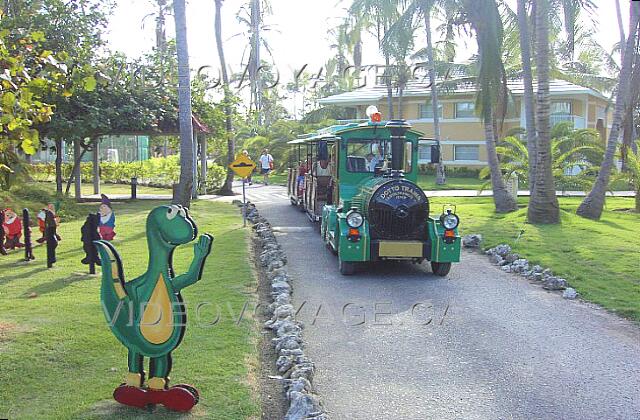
{"points": [[358, 182]]}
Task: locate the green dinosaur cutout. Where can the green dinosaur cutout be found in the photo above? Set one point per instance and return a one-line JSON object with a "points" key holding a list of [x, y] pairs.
{"points": [[147, 314]]}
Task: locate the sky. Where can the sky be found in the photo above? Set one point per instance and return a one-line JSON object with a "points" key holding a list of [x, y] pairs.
{"points": [[298, 35]]}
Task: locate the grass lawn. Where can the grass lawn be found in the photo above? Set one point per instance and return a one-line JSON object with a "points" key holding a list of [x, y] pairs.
{"points": [[600, 259], [428, 183], [114, 189], [59, 359]]}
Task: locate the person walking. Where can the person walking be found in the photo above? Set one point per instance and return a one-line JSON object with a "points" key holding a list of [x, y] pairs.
{"points": [[266, 165], [249, 178]]}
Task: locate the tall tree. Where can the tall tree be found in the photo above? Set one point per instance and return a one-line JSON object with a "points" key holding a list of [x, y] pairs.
{"points": [[427, 8], [227, 188], [528, 98], [485, 19], [184, 190], [593, 204], [543, 205], [379, 15]]}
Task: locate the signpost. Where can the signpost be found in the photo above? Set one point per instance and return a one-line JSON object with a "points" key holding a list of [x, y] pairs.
{"points": [[243, 167]]}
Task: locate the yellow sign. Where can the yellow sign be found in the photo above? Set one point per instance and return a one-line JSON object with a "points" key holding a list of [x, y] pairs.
{"points": [[243, 166]]}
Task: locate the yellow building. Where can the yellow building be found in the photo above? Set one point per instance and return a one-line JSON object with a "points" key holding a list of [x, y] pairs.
{"points": [[462, 132]]}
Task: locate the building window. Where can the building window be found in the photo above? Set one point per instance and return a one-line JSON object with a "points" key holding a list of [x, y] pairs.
{"points": [[561, 108], [465, 110], [424, 152], [466, 153], [426, 111]]}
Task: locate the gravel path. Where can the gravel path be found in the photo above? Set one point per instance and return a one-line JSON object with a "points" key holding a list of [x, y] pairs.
{"points": [[396, 342]]}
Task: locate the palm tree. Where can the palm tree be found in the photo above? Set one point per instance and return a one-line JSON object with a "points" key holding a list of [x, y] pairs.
{"points": [[183, 192], [485, 19], [593, 203], [570, 149], [528, 98], [227, 188], [543, 204], [379, 15]]}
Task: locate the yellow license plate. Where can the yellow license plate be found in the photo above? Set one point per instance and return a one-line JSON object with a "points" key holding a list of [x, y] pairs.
{"points": [[400, 249]]}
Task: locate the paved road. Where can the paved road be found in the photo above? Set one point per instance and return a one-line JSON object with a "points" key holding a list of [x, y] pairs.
{"points": [[396, 342]]}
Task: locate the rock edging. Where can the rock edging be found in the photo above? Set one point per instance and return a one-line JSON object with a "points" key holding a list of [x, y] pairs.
{"points": [[295, 368], [511, 262]]}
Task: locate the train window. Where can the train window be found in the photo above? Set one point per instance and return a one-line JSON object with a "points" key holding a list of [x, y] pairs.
{"points": [[367, 155]]}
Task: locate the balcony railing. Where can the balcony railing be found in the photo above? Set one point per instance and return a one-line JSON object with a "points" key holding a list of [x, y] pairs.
{"points": [[578, 122]]}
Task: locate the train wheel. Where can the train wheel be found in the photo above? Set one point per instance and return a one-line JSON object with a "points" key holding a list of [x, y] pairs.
{"points": [[440, 269], [347, 268]]}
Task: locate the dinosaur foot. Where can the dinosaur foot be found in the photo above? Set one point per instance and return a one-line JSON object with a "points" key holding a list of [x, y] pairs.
{"points": [[177, 398]]}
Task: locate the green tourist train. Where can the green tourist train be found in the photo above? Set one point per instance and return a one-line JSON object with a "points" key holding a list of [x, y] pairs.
{"points": [[357, 183]]}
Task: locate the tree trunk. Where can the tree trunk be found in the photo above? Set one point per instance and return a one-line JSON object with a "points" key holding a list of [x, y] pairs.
{"points": [[527, 78], [58, 166], [227, 188], [503, 201], [96, 166], [183, 191], [75, 169], [637, 200], [387, 81], [593, 203], [254, 73], [440, 172], [543, 204], [400, 104]]}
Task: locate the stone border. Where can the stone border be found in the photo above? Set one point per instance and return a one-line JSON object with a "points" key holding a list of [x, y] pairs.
{"points": [[510, 262], [295, 368]]}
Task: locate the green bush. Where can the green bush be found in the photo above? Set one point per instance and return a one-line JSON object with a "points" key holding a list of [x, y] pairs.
{"points": [[456, 172], [216, 175], [155, 172]]}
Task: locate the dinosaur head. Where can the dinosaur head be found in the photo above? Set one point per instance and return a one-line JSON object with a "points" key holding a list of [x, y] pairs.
{"points": [[172, 224]]}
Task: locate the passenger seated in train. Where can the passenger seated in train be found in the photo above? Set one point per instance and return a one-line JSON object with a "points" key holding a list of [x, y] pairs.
{"points": [[303, 169], [322, 167]]}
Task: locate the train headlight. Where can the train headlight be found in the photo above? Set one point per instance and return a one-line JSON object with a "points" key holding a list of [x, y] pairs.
{"points": [[354, 219], [450, 221]]}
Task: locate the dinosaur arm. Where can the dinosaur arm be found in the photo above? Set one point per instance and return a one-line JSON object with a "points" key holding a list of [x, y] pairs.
{"points": [[201, 251]]}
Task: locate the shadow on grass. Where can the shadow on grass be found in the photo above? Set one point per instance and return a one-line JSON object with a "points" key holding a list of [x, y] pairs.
{"points": [[109, 410], [21, 276], [58, 284]]}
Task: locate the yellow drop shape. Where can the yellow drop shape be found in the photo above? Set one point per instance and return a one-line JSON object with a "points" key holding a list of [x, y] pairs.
{"points": [[157, 321]]}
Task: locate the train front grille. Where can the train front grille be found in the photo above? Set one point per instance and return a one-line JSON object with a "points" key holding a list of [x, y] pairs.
{"points": [[398, 223]]}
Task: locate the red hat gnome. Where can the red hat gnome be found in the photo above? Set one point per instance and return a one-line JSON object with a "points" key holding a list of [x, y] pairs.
{"points": [[107, 220], [13, 229]]}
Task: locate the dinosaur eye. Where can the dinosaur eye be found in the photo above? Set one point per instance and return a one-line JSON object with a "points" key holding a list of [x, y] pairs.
{"points": [[172, 212]]}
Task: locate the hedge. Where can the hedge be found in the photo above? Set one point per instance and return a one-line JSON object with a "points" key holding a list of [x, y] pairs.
{"points": [[156, 172]]}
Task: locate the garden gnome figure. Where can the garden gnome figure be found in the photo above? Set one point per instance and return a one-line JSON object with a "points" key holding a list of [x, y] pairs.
{"points": [[50, 227], [107, 220], [147, 314], [41, 219], [13, 229], [2, 250], [28, 245], [90, 234]]}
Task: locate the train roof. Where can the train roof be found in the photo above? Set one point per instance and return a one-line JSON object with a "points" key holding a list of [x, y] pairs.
{"points": [[331, 132]]}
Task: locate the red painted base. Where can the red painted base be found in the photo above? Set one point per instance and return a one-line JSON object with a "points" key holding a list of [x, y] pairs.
{"points": [[177, 398]]}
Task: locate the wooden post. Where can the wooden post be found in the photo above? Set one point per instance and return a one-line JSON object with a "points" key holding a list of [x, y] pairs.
{"points": [[96, 167], [78, 172], [203, 162], [28, 245]]}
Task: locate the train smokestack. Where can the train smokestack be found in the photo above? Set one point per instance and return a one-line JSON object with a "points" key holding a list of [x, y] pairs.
{"points": [[398, 130]]}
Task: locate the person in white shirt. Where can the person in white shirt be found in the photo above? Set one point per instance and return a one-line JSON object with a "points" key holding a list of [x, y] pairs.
{"points": [[266, 165]]}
